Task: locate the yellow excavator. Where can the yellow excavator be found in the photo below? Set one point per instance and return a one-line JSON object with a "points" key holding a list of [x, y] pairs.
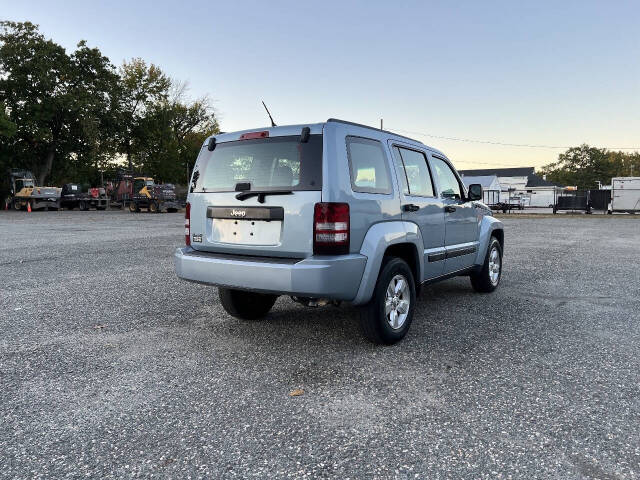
{"points": [[155, 198], [24, 192]]}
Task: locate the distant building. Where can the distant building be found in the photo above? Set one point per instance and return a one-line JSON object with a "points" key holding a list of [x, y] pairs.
{"points": [[490, 187], [535, 190]]}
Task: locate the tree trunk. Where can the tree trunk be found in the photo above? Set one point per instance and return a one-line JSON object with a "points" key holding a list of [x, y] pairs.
{"points": [[129, 155], [46, 170]]}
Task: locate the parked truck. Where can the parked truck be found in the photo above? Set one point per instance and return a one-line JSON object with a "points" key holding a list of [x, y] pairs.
{"points": [[155, 198], [24, 193], [72, 197], [625, 195], [142, 192]]}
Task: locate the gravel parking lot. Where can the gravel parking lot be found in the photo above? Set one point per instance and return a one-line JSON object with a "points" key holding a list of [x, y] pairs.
{"points": [[110, 367]]}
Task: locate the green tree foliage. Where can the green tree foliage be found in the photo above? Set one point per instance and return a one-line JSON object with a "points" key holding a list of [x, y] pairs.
{"points": [[585, 166], [55, 100], [70, 116], [172, 134], [7, 127], [142, 87]]}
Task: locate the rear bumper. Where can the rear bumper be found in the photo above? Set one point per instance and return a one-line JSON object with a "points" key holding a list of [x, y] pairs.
{"points": [[334, 277]]}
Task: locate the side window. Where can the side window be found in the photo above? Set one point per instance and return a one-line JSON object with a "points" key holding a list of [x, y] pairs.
{"points": [[449, 185], [368, 166], [417, 179]]}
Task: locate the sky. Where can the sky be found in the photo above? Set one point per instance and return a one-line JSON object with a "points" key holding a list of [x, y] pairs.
{"points": [[541, 73]]}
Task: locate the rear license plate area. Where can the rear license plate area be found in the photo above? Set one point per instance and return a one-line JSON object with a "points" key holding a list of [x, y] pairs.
{"points": [[246, 226]]}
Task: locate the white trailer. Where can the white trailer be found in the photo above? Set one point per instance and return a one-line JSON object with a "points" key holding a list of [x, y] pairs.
{"points": [[625, 195]]}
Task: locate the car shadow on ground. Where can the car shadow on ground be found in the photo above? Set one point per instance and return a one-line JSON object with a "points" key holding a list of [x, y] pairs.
{"points": [[442, 309]]}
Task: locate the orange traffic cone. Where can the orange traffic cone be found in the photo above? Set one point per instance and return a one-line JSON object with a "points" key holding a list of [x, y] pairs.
{"points": [[29, 207]]}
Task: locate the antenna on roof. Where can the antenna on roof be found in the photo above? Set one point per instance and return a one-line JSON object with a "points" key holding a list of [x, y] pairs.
{"points": [[273, 124]]}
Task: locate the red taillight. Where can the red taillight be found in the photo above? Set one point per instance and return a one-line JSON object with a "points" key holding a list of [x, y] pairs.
{"points": [[250, 135], [331, 228], [187, 224]]}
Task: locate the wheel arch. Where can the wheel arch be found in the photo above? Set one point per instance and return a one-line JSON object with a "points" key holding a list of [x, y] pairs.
{"points": [[489, 227], [499, 234], [409, 253], [398, 238]]}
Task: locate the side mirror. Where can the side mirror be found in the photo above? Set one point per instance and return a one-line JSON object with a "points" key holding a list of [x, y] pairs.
{"points": [[475, 191]]}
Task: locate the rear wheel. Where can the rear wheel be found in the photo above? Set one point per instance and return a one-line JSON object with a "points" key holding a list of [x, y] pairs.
{"points": [[387, 317], [17, 205], [153, 207], [488, 278], [133, 207], [246, 305]]}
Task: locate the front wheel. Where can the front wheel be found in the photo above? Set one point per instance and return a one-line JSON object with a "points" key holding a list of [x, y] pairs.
{"points": [[488, 278], [246, 305], [133, 207], [153, 207], [387, 317]]}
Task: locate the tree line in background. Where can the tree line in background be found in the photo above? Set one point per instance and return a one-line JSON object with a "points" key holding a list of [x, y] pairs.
{"points": [[73, 117], [585, 166]]}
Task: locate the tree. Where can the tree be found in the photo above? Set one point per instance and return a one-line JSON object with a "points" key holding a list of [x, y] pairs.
{"points": [[141, 87], [172, 133], [55, 100], [585, 166], [7, 127], [66, 116]]}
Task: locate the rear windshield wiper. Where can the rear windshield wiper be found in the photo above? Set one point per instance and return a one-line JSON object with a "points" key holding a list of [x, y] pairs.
{"points": [[261, 194]]}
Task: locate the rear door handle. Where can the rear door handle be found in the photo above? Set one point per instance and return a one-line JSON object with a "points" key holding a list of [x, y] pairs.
{"points": [[410, 207], [449, 209]]}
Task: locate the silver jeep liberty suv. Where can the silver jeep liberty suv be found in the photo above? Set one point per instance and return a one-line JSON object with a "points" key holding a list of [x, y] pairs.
{"points": [[333, 212]]}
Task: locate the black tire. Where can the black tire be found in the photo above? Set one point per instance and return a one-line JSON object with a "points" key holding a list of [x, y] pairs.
{"points": [[83, 206], [133, 207], [481, 281], [153, 207], [373, 318], [17, 206], [246, 305]]}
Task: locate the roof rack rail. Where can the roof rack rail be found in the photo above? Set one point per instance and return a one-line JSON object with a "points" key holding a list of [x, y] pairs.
{"points": [[337, 120]]}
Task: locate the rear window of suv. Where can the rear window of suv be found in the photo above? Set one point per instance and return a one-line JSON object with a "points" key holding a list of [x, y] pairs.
{"points": [[274, 163]]}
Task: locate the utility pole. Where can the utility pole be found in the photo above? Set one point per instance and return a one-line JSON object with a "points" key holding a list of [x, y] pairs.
{"points": [[381, 125]]}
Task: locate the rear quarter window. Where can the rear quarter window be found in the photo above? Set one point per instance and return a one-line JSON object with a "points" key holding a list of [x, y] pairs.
{"points": [[368, 166]]}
